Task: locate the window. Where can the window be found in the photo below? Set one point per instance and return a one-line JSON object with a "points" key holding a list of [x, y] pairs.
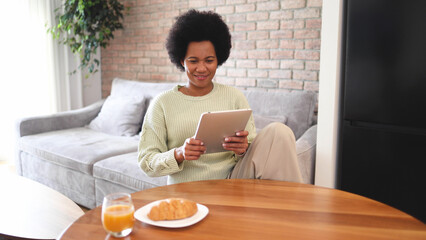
{"points": [[27, 67]]}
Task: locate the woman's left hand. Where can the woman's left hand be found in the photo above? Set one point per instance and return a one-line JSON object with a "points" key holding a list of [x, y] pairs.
{"points": [[238, 143]]}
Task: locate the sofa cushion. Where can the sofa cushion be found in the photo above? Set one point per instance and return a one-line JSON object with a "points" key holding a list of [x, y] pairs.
{"points": [[127, 88], [262, 121], [76, 148], [123, 169], [298, 107], [78, 186], [305, 149], [120, 116]]}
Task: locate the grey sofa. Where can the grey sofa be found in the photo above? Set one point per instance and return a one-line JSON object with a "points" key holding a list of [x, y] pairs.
{"points": [[90, 152]]}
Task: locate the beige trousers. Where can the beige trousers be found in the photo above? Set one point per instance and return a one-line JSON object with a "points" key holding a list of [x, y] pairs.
{"points": [[271, 155]]}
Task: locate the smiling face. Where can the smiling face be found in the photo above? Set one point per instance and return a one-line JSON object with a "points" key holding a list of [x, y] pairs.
{"points": [[200, 65]]}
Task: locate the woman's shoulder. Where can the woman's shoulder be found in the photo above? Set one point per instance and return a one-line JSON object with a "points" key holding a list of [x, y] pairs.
{"points": [[167, 94], [229, 90], [162, 99]]}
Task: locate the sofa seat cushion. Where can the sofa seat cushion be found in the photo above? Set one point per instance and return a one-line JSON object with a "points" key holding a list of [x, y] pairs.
{"points": [[124, 170], [297, 107], [76, 148]]}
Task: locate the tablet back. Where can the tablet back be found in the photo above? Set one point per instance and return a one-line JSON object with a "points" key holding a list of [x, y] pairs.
{"points": [[213, 127]]}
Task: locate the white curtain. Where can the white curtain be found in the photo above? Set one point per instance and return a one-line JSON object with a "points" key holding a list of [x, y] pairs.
{"points": [[33, 68]]}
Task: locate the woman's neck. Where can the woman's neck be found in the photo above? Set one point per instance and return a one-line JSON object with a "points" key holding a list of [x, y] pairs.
{"points": [[193, 91]]}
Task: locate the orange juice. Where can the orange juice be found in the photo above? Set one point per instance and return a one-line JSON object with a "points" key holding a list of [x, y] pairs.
{"points": [[117, 218]]}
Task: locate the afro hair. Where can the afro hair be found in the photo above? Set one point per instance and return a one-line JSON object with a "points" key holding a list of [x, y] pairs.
{"points": [[196, 26]]}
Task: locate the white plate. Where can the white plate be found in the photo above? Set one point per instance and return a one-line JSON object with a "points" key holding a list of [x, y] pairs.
{"points": [[141, 215]]}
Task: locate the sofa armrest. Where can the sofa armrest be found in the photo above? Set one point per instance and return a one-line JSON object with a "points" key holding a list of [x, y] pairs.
{"points": [[63, 120], [305, 149]]}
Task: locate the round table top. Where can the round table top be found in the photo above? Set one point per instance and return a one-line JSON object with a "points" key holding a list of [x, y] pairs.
{"points": [[264, 209], [29, 209]]}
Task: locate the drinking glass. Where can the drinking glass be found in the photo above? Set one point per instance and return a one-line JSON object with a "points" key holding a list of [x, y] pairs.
{"points": [[117, 214]]}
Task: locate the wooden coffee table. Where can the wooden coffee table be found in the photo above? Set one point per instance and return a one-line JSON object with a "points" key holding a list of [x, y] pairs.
{"points": [[263, 209], [29, 209]]}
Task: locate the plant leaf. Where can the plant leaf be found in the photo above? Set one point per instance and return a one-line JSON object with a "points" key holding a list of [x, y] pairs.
{"points": [[85, 25]]}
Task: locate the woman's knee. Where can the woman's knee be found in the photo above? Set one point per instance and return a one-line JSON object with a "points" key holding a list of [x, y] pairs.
{"points": [[278, 128]]}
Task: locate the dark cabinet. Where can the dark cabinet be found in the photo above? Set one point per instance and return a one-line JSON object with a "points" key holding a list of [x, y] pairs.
{"points": [[382, 136]]}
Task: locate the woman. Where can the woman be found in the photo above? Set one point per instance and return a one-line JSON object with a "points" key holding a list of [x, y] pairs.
{"points": [[197, 44]]}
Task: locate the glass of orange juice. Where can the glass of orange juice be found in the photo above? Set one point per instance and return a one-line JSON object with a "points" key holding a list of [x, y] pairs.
{"points": [[117, 214]]}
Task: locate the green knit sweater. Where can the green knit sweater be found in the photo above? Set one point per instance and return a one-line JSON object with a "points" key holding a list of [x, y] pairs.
{"points": [[173, 117]]}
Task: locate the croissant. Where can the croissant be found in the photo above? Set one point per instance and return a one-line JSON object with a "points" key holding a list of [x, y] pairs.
{"points": [[172, 209]]}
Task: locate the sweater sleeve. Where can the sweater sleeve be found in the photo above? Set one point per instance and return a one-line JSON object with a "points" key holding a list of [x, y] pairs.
{"points": [[154, 157]]}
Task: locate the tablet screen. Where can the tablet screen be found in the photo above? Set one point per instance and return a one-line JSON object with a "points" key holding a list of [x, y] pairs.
{"points": [[213, 127]]}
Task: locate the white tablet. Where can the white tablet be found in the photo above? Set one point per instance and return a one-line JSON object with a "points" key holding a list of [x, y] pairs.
{"points": [[213, 127]]}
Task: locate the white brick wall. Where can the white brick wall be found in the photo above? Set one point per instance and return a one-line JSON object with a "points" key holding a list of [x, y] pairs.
{"points": [[276, 44]]}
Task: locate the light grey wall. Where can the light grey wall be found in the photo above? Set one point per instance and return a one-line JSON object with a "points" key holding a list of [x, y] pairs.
{"points": [[328, 98]]}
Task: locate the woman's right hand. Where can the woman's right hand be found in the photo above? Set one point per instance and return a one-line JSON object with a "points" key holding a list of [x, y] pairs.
{"points": [[190, 150]]}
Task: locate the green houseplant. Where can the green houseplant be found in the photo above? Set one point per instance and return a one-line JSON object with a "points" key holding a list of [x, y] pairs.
{"points": [[85, 25]]}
